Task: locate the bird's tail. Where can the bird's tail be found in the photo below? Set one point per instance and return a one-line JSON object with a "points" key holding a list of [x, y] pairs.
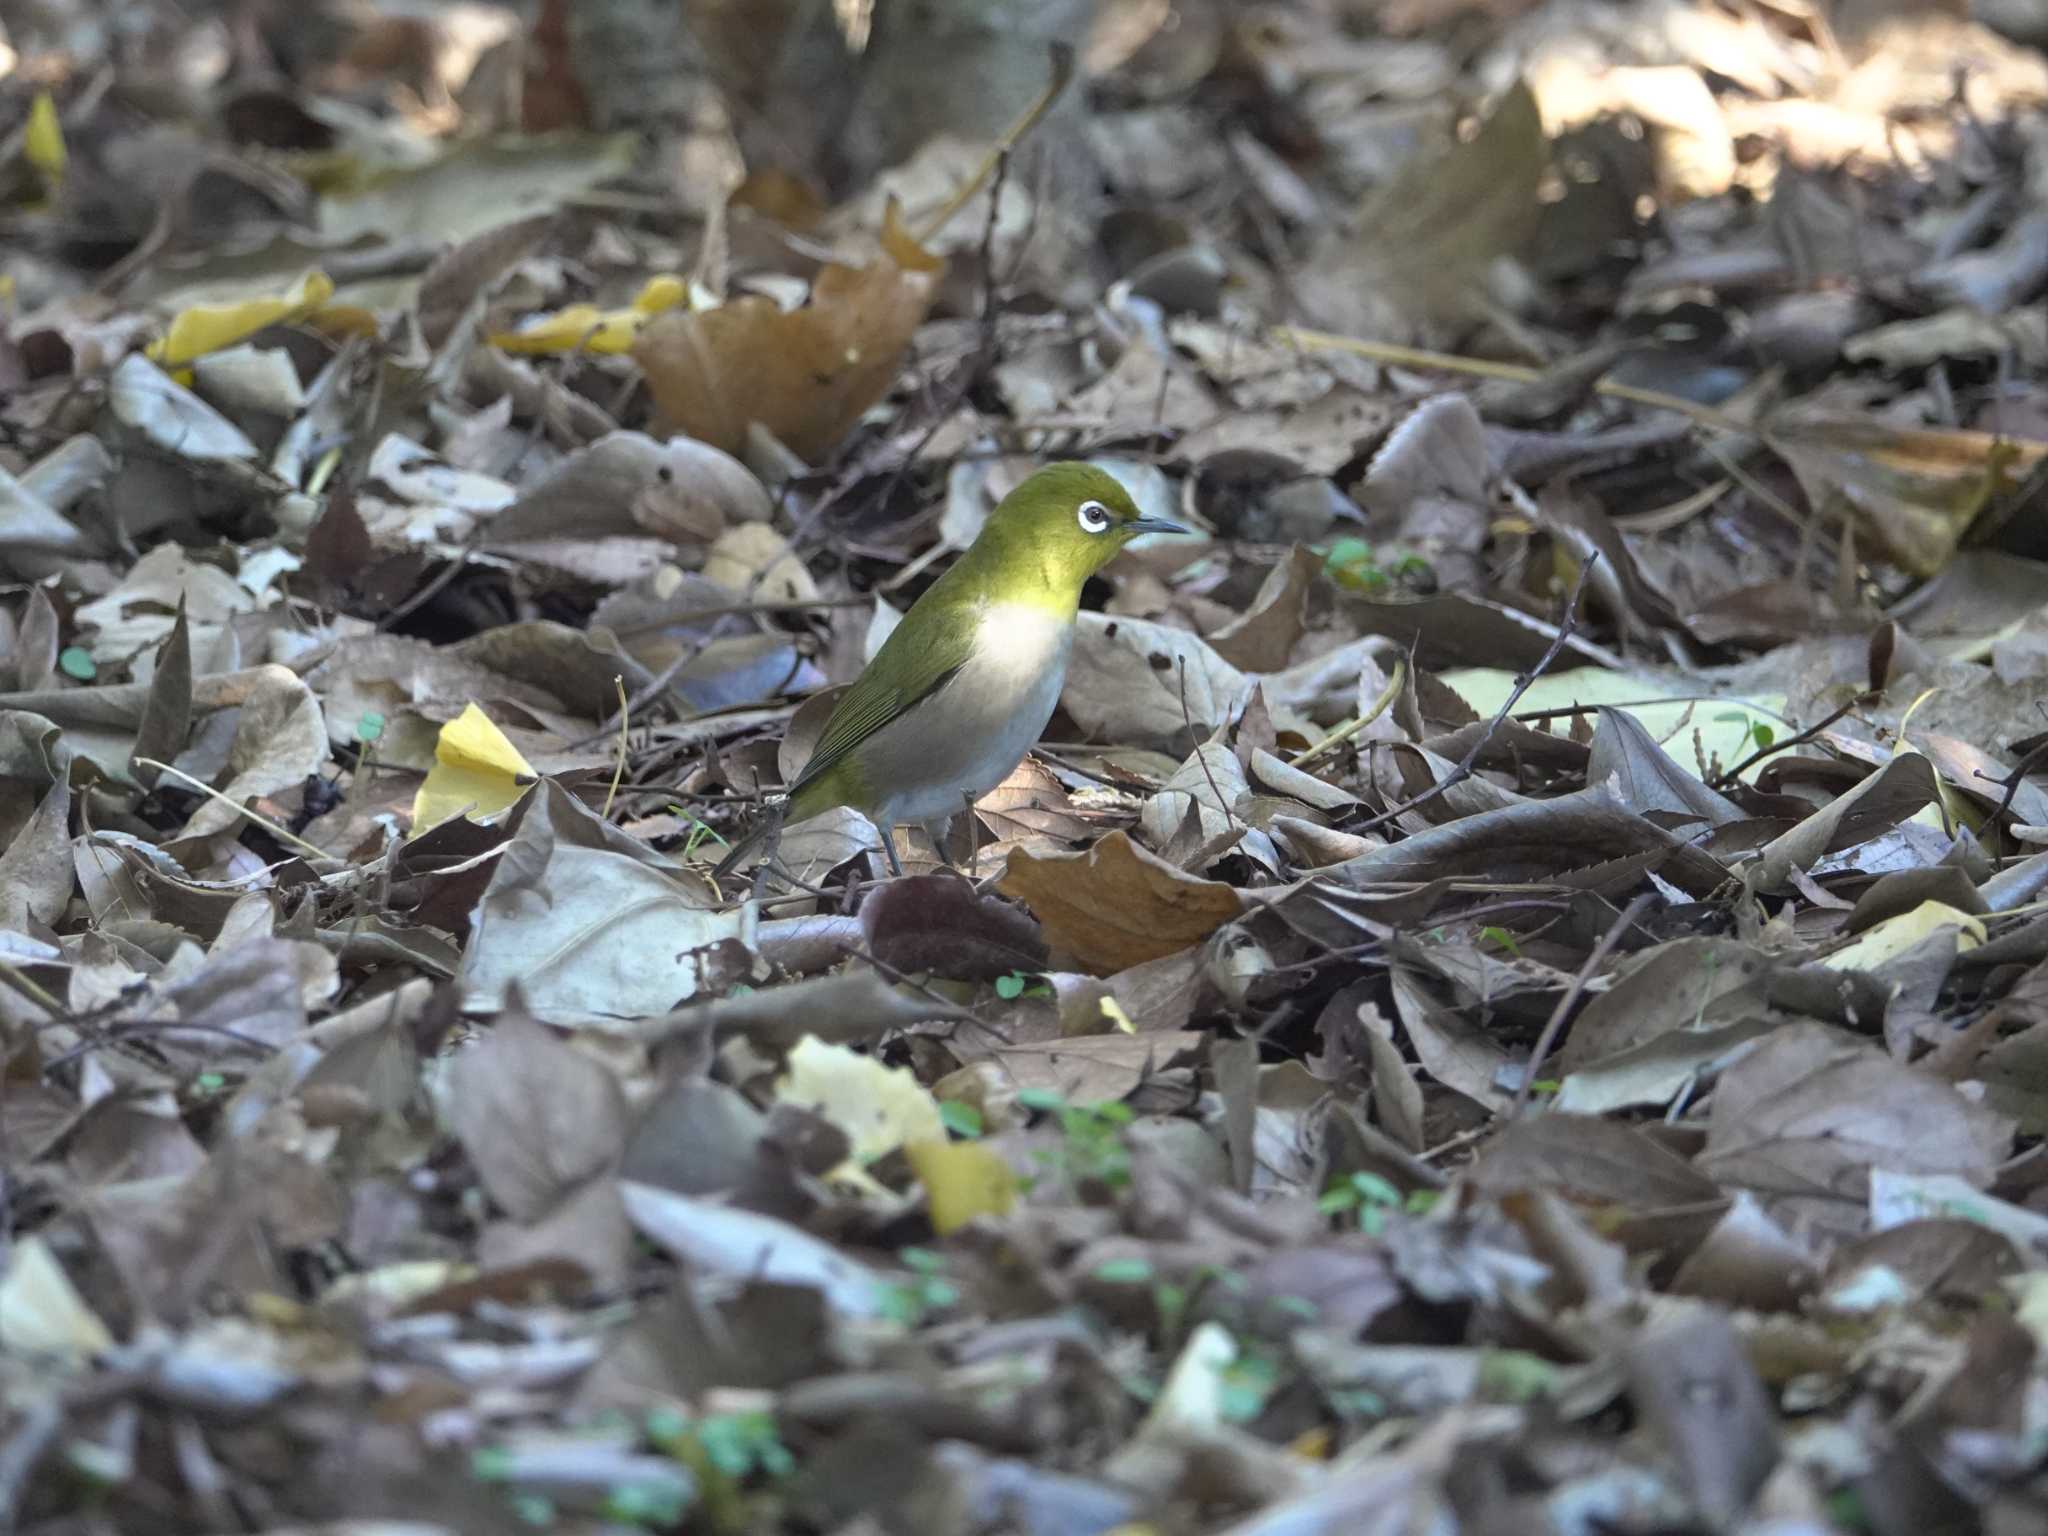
{"points": [[771, 821]]}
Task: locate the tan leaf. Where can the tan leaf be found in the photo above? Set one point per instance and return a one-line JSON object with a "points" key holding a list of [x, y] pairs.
{"points": [[1117, 905], [805, 374], [537, 1117]]}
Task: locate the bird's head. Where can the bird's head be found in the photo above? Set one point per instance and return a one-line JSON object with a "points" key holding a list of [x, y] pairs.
{"points": [[1067, 521]]}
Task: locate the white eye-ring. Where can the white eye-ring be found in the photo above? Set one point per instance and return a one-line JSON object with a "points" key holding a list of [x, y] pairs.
{"points": [[1094, 517]]}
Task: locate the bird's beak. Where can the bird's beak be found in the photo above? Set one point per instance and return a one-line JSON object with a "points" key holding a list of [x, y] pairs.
{"points": [[1150, 524]]}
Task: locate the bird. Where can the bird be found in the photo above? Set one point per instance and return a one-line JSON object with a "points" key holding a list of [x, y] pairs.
{"points": [[965, 683]]}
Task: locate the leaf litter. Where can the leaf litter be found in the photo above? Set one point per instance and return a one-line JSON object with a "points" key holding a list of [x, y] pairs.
{"points": [[1511, 995]]}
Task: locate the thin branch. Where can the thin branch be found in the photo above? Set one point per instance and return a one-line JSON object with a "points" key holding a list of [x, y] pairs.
{"points": [[1062, 72], [2012, 781], [1514, 373], [1812, 732], [1351, 728], [1463, 770], [1554, 1026], [289, 839]]}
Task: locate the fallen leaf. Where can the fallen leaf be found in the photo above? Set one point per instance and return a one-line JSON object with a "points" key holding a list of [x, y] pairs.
{"points": [[1805, 1115], [1916, 489], [962, 1180], [1116, 905], [588, 923], [476, 185], [1425, 237], [741, 1245], [586, 328], [804, 374], [880, 1108], [42, 1316], [538, 1118], [205, 328], [476, 772], [1143, 684], [1094, 1069], [1895, 935]]}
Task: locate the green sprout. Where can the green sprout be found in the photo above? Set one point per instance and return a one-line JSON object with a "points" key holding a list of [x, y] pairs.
{"points": [[1371, 1196]]}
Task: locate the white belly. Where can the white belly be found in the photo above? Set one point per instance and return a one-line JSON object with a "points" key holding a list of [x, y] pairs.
{"points": [[969, 736]]}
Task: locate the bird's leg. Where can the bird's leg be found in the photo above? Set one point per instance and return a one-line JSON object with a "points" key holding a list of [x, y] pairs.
{"points": [[973, 835], [889, 847], [940, 830]]}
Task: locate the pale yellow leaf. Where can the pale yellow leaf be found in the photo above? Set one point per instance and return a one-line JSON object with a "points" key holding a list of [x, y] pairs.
{"points": [[962, 1180], [476, 770]]}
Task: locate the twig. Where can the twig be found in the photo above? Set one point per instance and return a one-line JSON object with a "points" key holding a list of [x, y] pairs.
{"points": [[1514, 373], [31, 989], [1559, 710], [2017, 777], [1555, 1024], [1463, 769], [1345, 732], [729, 610], [618, 768], [138, 1029], [1188, 719], [288, 839], [457, 564], [1062, 72], [1730, 775]]}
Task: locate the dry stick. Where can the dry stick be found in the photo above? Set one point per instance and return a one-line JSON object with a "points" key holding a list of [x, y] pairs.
{"points": [[2012, 781], [1526, 715], [1463, 770], [1188, 719], [1514, 373], [730, 610], [289, 839], [618, 768], [1351, 728], [1062, 72], [1555, 1024], [1731, 775], [31, 989]]}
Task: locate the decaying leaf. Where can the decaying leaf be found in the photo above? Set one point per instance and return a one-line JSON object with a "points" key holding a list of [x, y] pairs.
{"points": [[588, 924], [1117, 905], [804, 374], [880, 1108], [539, 1117]]}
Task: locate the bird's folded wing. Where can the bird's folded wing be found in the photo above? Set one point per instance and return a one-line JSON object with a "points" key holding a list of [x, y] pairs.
{"points": [[872, 703]]}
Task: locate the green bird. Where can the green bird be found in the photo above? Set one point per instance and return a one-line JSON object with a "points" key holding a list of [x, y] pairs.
{"points": [[966, 682]]}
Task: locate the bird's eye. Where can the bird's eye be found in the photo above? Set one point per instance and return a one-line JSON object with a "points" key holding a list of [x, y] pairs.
{"points": [[1094, 517]]}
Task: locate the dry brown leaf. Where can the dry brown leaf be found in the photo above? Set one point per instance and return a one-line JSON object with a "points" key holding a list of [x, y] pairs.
{"points": [[1117, 905], [1092, 1069], [1917, 490], [805, 374], [537, 1117]]}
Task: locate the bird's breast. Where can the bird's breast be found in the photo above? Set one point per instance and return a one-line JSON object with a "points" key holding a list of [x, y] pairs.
{"points": [[977, 728]]}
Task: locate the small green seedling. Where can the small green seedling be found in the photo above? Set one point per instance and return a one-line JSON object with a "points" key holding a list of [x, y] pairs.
{"points": [[1371, 1196]]}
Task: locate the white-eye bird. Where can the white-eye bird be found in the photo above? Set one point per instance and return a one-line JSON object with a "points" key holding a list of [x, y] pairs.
{"points": [[966, 682]]}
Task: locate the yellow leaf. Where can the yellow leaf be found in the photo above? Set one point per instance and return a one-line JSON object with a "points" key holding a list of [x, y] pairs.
{"points": [[44, 145], [1312, 1444], [208, 328], [879, 1108], [42, 1315], [1113, 1011], [475, 770], [1895, 935], [805, 374], [586, 328], [962, 1180]]}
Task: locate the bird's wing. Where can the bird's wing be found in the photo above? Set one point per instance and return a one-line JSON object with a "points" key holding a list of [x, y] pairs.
{"points": [[871, 704]]}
